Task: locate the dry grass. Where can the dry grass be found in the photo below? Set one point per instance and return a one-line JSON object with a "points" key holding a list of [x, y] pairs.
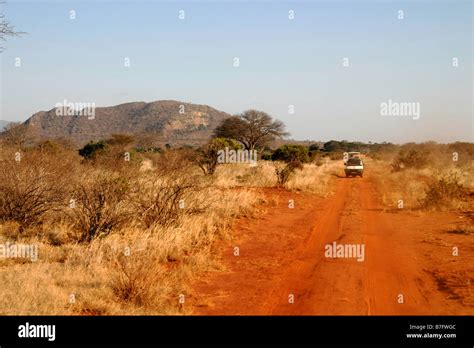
{"points": [[135, 235], [430, 187], [126, 246], [132, 271], [311, 178], [464, 228], [315, 179], [243, 174], [129, 246]]}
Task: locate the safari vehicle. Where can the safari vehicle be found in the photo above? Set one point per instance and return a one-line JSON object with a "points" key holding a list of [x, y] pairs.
{"points": [[352, 154], [354, 166]]}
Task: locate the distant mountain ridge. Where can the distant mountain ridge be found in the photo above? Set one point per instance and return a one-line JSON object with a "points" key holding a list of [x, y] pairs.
{"points": [[173, 121]]}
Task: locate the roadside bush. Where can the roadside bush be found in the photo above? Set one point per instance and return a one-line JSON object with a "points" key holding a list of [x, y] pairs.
{"points": [[31, 186], [100, 206], [166, 192], [208, 155], [291, 153], [316, 157], [412, 158], [444, 193], [293, 156], [162, 198], [284, 172]]}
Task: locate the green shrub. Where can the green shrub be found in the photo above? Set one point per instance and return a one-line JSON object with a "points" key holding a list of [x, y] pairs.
{"points": [[91, 149], [293, 156], [208, 155], [291, 153]]}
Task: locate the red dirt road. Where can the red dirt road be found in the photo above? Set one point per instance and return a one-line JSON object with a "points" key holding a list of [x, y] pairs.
{"points": [[408, 258]]}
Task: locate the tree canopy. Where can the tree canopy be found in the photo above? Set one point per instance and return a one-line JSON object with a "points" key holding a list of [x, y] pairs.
{"points": [[252, 128]]}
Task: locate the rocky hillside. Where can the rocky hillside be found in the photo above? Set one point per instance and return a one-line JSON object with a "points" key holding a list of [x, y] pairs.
{"points": [[169, 121]]}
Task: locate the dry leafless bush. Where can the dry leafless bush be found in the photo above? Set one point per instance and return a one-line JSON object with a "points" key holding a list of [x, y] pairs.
{"points": [[100, 205], [170, 191], [32, 184], [445, 192], [162, 199], [412, 158], [179, 160]]}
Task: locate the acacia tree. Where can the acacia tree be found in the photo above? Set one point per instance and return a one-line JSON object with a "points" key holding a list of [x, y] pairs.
{"points": [[252, 128]]}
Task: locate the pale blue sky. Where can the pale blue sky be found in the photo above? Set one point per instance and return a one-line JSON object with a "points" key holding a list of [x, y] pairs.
{"points": [[282, 61]]}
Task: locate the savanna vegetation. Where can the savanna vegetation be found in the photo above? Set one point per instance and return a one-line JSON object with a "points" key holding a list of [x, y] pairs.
{"points": [[122, 228]]}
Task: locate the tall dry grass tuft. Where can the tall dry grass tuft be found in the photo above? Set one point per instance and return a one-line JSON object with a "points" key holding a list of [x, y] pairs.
{"points": [[316, 179], [244, 174]]}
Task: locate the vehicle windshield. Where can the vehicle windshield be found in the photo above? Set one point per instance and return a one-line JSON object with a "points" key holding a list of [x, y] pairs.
{"points": [[354, 162]]}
